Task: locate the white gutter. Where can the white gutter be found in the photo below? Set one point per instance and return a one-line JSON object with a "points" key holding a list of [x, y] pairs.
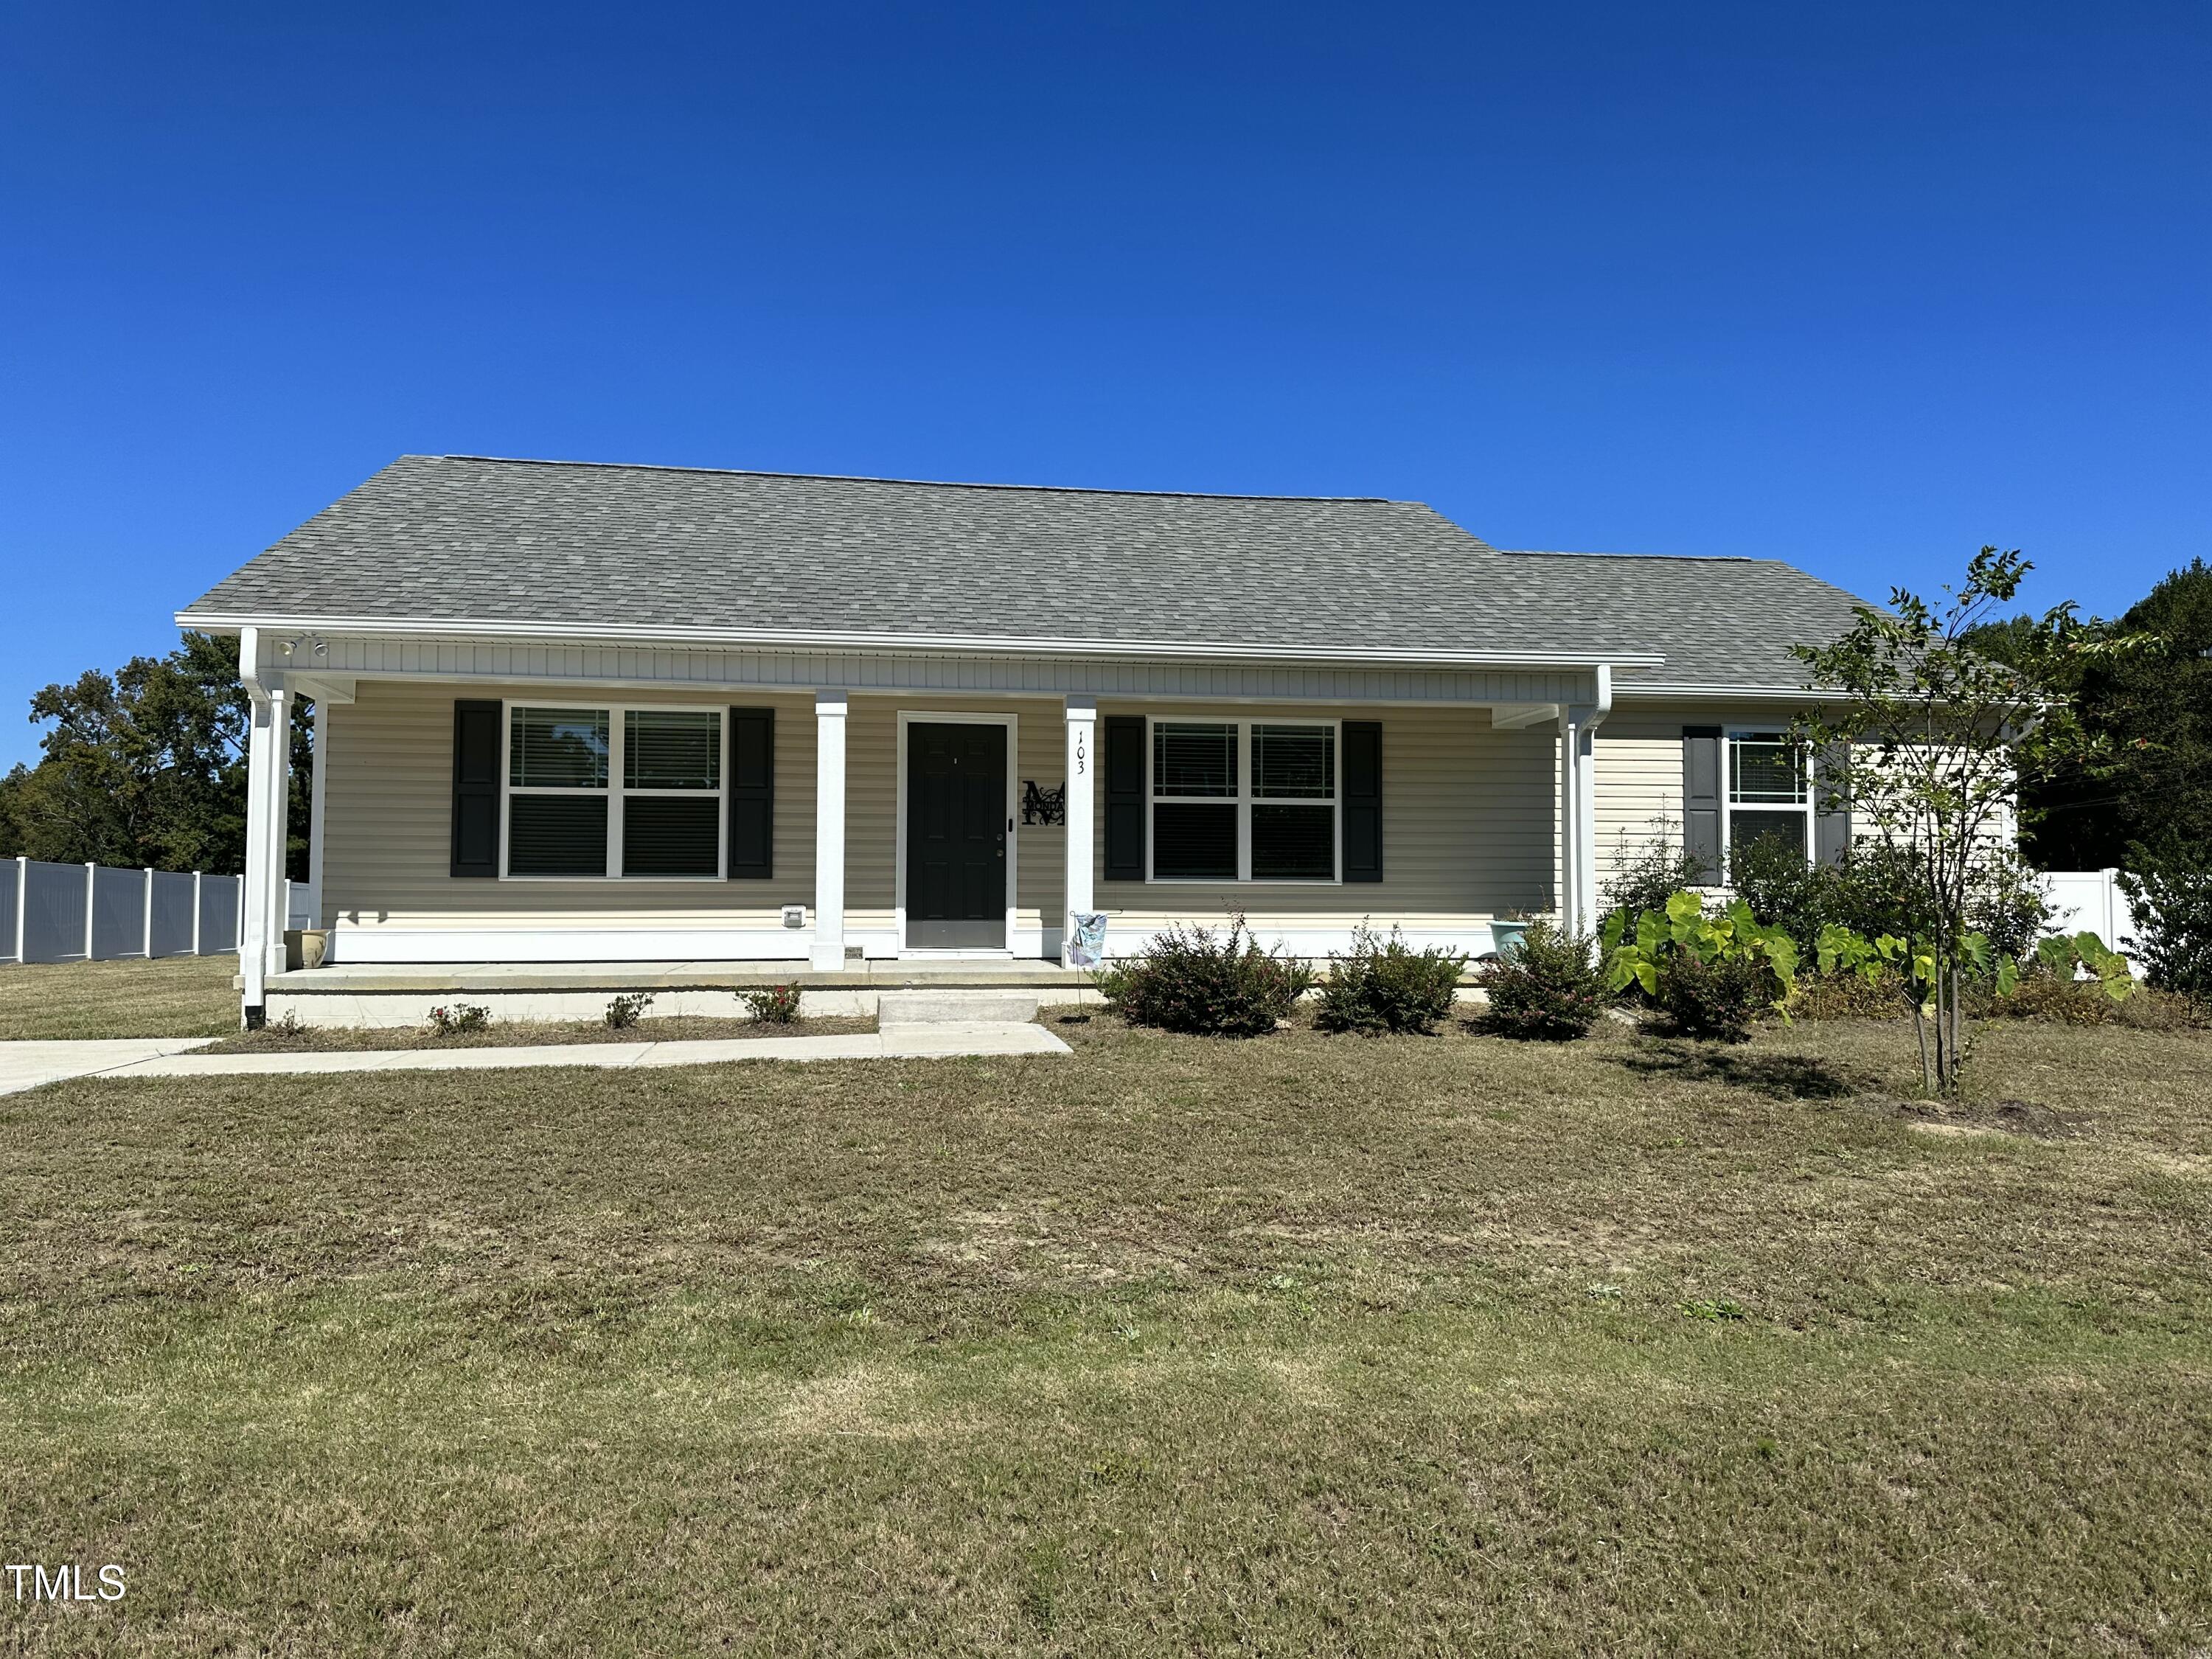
{"points": [[804, 639], [1760, 693]]}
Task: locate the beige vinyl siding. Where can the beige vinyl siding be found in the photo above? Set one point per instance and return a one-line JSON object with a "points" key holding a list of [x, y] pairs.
{"points": [[1639, 782], [1468, 815], [1639, 773], [388, 814]]}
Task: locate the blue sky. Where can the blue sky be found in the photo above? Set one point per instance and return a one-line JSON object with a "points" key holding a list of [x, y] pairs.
{"points": [[1858, 287]]}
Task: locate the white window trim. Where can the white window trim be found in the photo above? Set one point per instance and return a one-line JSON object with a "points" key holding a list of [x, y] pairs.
{"points": [[615, 792], [1243, 800], [1809, 806]]}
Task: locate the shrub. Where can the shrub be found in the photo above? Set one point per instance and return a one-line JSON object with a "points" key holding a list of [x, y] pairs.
{"points": [[2173, 897], [1721, 997], [2006, 904], [1643, 880], [775, 1005], [1849, 996], [459, 1017], [1385, 985], [1783, 890], [1550, 990], [625, 1011], [1211, 982]]}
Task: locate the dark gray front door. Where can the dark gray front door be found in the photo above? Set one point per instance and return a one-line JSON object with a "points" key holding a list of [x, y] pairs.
{"points": [[956, 837]]}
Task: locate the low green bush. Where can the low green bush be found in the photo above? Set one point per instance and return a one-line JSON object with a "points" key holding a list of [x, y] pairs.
{"points": [[1719, 998], [772, 1005], [1550, 990], [625, 1011], [1207, 981], [1385, 985], [455, 1018], [1710, 973]]}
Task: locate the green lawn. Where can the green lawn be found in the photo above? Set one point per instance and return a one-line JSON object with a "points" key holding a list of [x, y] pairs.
{"points": [[1307, 1345], [174, 996]]}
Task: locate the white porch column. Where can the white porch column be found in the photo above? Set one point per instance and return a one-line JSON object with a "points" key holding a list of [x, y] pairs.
{"points": [[829, 711], [1579, 724], [318, 770], [279, 894], [253, 909], [1082, 764]]}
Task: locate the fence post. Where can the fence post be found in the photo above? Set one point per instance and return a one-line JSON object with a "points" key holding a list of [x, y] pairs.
{"points": [[91, 881], [195, 913], [149, 946], [23, 901]]}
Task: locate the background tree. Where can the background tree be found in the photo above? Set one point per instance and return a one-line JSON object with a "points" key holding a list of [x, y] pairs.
{"points": [[2149, 710], [147, 766], [1930, 745]]}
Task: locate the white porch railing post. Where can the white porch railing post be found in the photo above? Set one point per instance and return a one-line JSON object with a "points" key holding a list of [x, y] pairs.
{"points": [[828, 949], [91, 882], [1076, 812]]}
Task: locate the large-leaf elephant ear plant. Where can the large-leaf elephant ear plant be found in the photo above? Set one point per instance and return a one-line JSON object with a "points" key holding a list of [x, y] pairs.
{"points": [[1685, 927], [1928, 736]]}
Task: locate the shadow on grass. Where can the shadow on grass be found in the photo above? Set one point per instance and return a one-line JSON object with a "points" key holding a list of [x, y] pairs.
{"points": [[1778, 1077]]}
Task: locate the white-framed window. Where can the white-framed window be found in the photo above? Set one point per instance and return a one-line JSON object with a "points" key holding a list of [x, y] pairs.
{"points": [[1243, 800], [1769, 792], [623, 792]]}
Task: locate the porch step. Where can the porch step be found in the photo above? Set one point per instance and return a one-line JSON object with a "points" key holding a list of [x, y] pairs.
{"points": [[901, 1008]]}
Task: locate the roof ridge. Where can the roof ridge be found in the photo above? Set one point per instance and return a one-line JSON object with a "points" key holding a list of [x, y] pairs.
{"points": [[920, 484], [1686, 558]]}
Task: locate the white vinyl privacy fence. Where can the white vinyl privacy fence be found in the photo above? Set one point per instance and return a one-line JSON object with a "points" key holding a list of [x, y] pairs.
{"points": [[2090, 901], [92, 913]]}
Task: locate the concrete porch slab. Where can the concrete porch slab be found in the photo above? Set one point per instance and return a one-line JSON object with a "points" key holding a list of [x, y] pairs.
{"points": [[392, 995]]}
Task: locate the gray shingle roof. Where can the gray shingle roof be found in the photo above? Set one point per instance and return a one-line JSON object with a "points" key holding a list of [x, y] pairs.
{"points": [[463, 540], [1722, 622]]}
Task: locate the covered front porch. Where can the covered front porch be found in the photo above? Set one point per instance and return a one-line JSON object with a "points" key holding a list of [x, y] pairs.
{"points": [[428, 840]]}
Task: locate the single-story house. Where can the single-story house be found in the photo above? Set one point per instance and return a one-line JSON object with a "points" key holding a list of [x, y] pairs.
{"points": [[578, 714]]}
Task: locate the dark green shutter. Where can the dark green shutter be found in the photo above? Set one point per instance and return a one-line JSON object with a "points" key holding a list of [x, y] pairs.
{"points": [[476, 788], [752, 794], [1362, 801], [1701, 800], [1832, 824], [1124, 763]]}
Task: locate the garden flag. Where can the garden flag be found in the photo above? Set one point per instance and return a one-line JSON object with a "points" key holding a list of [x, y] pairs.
{"points": [[1089, 942]]}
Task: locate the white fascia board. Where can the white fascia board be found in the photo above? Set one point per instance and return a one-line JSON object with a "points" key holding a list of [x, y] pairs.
{"points": [[801, 638], [1640, 689]]}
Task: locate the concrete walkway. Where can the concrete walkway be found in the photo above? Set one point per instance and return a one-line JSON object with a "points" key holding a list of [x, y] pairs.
{"points": [[28, 1065]]}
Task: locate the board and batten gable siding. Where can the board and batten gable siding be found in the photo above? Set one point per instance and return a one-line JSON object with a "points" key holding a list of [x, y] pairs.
{"points": [[387, 823], [1467, 818]]}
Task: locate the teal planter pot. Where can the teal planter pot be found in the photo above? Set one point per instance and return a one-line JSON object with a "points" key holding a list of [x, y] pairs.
{"points": [[1505, 938]]}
